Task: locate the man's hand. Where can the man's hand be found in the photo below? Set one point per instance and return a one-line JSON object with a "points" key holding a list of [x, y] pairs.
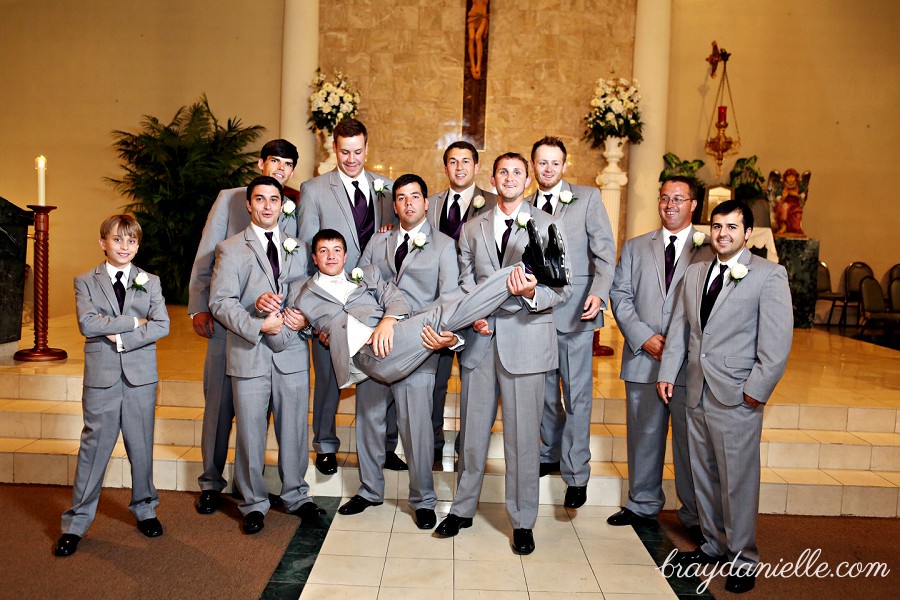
{"points": [[204, 324], [294, 319], [751, 401], [111, 337], [273, 323], [385, 227], [665, 391], [437, 341], [655, 346], [521, 284], [269, 302], [323, 338], [481, 326], [382, 339], [591, 308]]}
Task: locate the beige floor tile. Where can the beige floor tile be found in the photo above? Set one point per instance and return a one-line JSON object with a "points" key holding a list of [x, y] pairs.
{"points": [[805, 476], [870, 501], [823, 417], [793, 455], [7, 470], [356, 543], [773, 498], [321, 591], [560, 577], [12, 444], [588, 529], [843, 456], [892, 476], [592, 512], [871, 419], [375, 518], [859, 478], [880, 439], [814, 499], [565, 596], [459, 594], [332, 569], [418, 573], [556, 550], [488, 575], [496, 548], [616, 552], [781, 417], [886, 458], [411, 545], [631, 579], [554, 527], [41, 468], [394, 593], [669, 596]]}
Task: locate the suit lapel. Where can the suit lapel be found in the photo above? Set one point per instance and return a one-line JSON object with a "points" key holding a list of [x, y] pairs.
{"points": [[129, 291], [343, 203], [376, 201], [562, 207], [102, 279], [390, 249], [472, 212], [426, 230], [728, 286], [487, 234], [256, 247], [516, 235], [658, 252]]}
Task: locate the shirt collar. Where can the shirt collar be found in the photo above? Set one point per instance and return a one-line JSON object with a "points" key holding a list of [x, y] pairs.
{"points": [[348, 181], [111, 271]]}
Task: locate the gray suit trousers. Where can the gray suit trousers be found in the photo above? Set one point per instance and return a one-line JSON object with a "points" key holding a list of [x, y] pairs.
{"points": [[218, 413], [566, 421], [724, 442], [121, 407], [648, 425], [439, 397]]}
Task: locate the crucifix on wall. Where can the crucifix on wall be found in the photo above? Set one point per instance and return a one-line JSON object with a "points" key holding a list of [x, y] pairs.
{"points": [[475, 80]]}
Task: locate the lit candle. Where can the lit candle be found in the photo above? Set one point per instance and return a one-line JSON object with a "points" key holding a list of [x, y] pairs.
{"points": [[722, 111], [40, 163]]}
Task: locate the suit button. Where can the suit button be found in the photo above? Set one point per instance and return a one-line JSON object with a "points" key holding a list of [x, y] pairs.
{"points": [[703, 356]]}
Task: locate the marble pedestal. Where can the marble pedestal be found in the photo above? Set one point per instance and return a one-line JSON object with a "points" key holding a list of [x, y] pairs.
{"points": [[801, 258]]}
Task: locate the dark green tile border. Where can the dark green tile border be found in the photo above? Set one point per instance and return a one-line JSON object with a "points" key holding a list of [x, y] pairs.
{"points": [[289, 577], [659, 546]]}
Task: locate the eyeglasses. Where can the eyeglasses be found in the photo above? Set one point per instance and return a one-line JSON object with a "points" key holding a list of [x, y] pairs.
{"points": [[676, 200]]}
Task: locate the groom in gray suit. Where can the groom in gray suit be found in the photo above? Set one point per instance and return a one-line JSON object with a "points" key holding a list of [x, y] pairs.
{"points": [[734, 324], [266, 358], [422, 264], [646, 287], [507, 354], [356, 203], [591, 254]]}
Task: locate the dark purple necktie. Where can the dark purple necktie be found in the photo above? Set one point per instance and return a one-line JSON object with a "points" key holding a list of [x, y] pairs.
{"points": [[119, 289], [548, 206], [670, 260], [359, 206], [709, 298], [454, 217], [505, 239], [272, 254], [402, 251]]}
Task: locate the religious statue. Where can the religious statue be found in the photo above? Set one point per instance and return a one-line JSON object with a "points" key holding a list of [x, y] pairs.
{"points": [[787, 197], [476, 31]]}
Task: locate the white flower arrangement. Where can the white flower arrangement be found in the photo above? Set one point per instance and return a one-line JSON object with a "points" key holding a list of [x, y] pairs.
{"points": [[698, 239], [290, 244], [738, 272], [356, 274], [566, 197], [379, 187], [478, 202], [288, 208], [614, 112], [522, 219], [419, 240], [331, 101], [140, 280]]}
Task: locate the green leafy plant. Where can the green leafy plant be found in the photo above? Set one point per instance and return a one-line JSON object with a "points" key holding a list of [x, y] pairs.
{"points": [[746, 179], [173, 173]]}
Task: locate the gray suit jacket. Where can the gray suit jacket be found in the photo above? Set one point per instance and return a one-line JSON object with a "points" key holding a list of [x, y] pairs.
{"points": [[427, 275], [525, 337], [590, 253], [227, 217], [373, 298], [99, 316], [437, 205], [324, 205], [640, 303], [745, 345], [242, 274]]}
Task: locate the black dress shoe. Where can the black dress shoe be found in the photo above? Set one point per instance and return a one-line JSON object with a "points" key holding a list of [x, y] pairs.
{"points": [[356, 505], [696, 557], [392, 462], [549, 467], [556, 258], [576, 496], [67, 544], [438, 456], [253, 522], [452, 524], [626, 517], [523, 541], [275, 501], [208, 502], [425, 518], [696, 535], [533, 255], [308, 510], [740, 581], [326, 463], [150, 527]]}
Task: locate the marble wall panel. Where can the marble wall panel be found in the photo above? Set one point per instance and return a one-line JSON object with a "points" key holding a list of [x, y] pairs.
{"points": [[407, 58]]}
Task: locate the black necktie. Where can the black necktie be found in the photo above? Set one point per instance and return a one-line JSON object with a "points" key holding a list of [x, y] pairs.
{"points": [[548, 206], [505, 239], [454, 217], [119, 289], [709, 298], [670, 260], [359, 205], [272, 254], [402, 251]]}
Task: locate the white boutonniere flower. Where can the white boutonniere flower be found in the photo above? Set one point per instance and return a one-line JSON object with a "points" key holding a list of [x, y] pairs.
{"points": [[379, 187], [356, 274], [419, 240], [478, 202], [290, 244], [288, 208], [566, 197], [698, 239], [522, 219], [139, 281], [738, 272]]}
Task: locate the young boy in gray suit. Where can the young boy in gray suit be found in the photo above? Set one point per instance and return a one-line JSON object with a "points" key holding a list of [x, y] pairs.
{"points": [[121, 313]]}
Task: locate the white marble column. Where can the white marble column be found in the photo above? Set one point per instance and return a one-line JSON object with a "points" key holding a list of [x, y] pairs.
{"points": [[651, 69], [300, 57]]}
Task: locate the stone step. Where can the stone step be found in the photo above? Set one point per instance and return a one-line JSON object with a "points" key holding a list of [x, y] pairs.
{"points": [[783, 491]]}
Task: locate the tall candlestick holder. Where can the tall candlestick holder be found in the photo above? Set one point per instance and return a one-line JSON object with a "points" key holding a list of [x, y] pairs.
{"points": [[41, 352]]}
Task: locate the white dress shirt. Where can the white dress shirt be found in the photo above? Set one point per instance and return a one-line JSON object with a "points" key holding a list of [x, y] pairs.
{"points": [[126, 270], [465, 199], [680, 239], [351, 191], [554, 197]]}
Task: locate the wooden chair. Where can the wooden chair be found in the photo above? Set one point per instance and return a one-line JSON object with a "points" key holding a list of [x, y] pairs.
{"points": [[852, 278], [895, 295], [823, 290], [872, 302]]}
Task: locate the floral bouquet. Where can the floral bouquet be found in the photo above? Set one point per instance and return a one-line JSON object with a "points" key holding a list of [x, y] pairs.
{"points": [[614, 112], [331, 101]]}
